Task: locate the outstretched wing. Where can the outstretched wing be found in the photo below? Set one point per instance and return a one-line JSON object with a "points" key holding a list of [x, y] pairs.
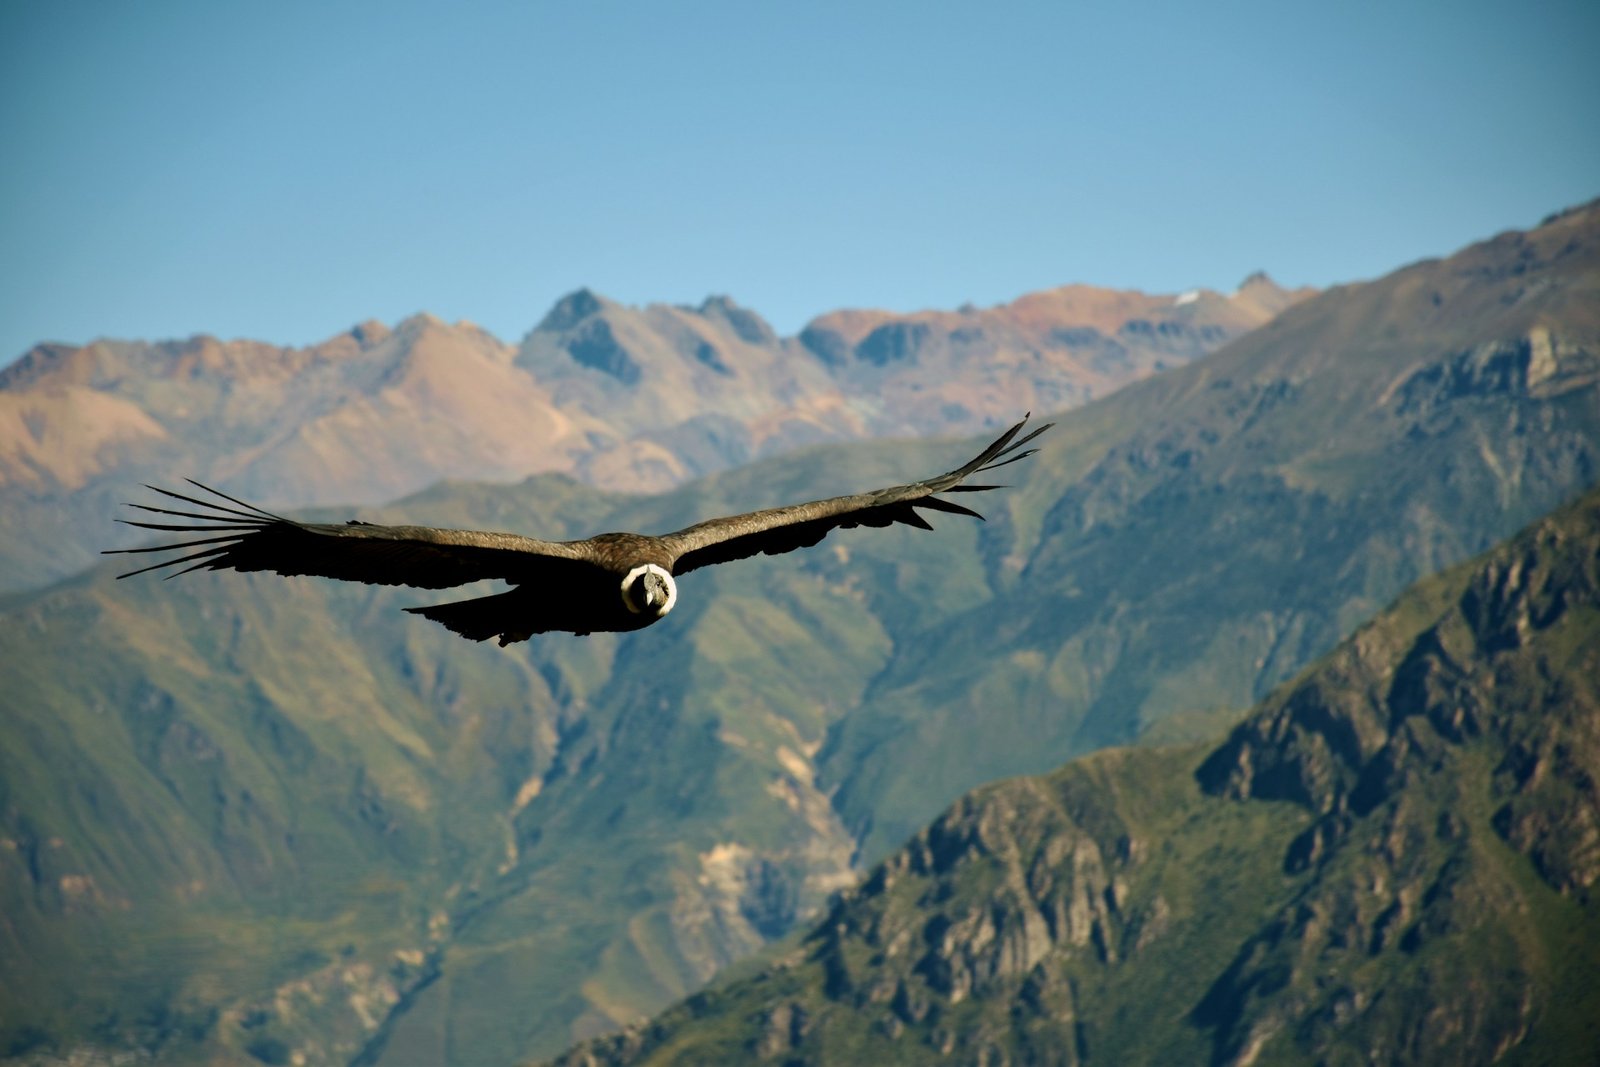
{"points": [[801, 525], [245, 538]]}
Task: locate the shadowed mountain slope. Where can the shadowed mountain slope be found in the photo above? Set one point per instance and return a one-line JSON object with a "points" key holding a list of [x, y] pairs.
{"points": [[1394, 859]]}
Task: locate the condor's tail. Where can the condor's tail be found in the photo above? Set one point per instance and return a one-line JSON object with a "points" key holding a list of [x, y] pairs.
{"points": [[519, 613], [504, 615]]}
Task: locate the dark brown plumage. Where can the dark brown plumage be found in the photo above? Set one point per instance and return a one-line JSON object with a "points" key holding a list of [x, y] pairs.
{"points": [[610, 582]]}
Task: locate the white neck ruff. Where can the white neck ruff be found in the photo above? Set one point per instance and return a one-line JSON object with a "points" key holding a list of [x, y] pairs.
{"points": [[639, 572]]}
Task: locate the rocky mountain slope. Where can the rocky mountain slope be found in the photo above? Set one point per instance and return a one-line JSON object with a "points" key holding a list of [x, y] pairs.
{"points": [[257, 817], [1394, 859], [624, 398], [1193, 540]]}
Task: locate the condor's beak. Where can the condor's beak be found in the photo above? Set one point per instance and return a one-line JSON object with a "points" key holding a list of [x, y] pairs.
{"points": [[653, 592]]}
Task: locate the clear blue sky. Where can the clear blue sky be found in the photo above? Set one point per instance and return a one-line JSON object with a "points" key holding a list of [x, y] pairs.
{"points": [[284, 170]]}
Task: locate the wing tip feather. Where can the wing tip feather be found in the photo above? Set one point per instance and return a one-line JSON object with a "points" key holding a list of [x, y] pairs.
{"points": [[232, 525]]}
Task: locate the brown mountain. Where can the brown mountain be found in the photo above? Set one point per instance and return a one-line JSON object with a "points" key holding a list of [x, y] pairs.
{"points": [[625, 398], [939, 366], [358, 416]]}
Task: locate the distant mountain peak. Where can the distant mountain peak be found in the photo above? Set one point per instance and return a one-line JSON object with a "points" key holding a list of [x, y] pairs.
{"points": [[1262, 292], [35, 364], [417, 322], [746, 324], [1575, 211], [716, 304], [369, 332], [572, 309]]}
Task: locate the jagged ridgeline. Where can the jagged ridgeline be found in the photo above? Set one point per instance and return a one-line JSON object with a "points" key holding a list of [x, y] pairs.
{"points": [[623, 398], [1394, 859]]}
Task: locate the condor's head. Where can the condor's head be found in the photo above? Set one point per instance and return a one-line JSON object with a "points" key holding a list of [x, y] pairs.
{"points": [[649, 590]]}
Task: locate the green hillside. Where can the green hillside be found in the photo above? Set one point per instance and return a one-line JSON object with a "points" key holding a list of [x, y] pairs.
{"points": [[264, 819], [1392, 860]]}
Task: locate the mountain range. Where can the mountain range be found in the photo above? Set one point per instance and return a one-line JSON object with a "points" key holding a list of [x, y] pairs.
{"points": [[252, 819], [1392, 860], [623, 398]]}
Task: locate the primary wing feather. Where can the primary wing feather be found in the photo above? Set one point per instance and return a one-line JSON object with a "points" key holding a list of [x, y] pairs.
{"points": [[784, 529], [422, 556]]}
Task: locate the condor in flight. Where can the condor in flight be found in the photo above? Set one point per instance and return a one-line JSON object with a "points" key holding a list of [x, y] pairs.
{"points": [[609, 582]]}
